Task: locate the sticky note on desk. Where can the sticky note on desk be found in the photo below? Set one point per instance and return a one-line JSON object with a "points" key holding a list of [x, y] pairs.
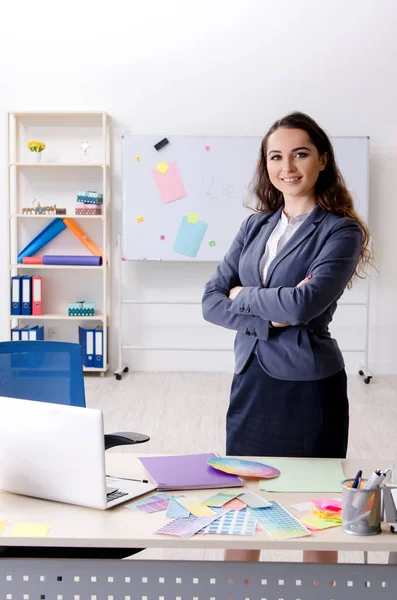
{"points": [[30, 530], [192, 217], [3, 525]]}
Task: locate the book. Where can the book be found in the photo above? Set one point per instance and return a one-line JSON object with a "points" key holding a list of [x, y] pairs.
{"points": [[187, 472]]}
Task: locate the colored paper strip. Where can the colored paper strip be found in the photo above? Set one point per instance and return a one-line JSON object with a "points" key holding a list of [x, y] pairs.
{"points": [[199, 510], [175, 509]]}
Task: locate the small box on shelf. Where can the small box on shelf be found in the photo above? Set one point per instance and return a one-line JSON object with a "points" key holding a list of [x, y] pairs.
{"points": [[90, 197], [81, 309], [84, 209]]}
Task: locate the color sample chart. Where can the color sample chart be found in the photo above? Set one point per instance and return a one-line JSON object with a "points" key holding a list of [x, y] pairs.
{"points": [[234, 522], [278, 522], [186, 526]]}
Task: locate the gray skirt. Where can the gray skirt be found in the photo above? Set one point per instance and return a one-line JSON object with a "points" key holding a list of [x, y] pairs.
{"points": [[272, 417]]}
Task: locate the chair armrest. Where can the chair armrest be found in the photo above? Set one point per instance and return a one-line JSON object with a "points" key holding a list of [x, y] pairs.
{"points": [[124, 438]]}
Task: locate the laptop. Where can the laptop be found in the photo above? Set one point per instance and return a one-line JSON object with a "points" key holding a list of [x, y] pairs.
{"points": [[57, 452]]}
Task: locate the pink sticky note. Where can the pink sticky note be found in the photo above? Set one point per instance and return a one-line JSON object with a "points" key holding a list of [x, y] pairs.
{"points": [[326, 504], [169, 184], [207, 148], [162, 237]]}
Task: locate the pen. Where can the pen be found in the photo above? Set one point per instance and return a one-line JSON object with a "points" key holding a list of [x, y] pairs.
{"points": [[374, 481], [128, 478], [357, 479]]}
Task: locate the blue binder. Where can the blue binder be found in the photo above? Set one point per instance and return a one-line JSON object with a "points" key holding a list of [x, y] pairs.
{"points": [[36, 333], [16, 293], [86, 340], [98, 348], [15, 335], [26, 307]]}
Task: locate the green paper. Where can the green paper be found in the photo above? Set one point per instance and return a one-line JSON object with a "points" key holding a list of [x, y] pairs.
{"points": [[304, 475]]}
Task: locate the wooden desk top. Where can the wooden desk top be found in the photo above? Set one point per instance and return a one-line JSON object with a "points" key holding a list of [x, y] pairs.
{"points": [[119, 527]]}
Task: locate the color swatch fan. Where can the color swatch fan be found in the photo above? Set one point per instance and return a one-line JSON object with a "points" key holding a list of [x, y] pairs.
{"points": [[244, 468]]}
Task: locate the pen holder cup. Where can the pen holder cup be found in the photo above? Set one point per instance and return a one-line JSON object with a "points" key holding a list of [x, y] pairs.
{"points": [[361, 509]]}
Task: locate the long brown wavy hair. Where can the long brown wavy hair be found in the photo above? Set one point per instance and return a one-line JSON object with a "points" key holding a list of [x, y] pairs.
{"points": [[330, 189]]}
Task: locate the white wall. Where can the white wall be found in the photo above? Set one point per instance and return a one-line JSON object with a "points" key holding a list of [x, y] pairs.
{"points": [[219, 67]]}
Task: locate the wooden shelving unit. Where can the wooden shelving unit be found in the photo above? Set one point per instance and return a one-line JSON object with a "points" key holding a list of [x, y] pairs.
{"points": [[56, 180]]}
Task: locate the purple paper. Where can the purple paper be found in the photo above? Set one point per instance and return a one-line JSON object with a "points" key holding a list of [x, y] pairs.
{"points": [[187, 472], [72, 260]]}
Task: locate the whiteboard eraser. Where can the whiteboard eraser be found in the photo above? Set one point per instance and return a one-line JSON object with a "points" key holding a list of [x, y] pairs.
{"points": [[161, 144]]}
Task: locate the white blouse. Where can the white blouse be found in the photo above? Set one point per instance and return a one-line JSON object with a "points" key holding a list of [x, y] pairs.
{"points": [[280, 235]]}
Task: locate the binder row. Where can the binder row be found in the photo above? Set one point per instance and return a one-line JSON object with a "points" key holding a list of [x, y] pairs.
{"points": [[26, 295], [91, 342], [28, 334]]}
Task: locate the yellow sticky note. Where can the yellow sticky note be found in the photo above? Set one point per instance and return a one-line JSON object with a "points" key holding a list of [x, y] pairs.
{"points": [[3, 525], [192, 217], [162, 167], [140, 219], [199, 510], [138, 159], [30, 530]]}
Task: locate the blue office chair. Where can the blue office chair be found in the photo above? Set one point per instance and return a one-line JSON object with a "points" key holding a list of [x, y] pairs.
{"points": [[50, 372], [53, 372]]}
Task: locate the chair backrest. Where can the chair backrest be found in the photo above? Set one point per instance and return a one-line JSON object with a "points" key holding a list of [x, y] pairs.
{"points": [[44, 371]]}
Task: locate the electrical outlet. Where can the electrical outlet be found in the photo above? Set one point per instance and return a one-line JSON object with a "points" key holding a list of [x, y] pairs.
{"points": [[53, 333]]}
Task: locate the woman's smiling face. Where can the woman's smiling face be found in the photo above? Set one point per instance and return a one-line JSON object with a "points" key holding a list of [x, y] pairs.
{"points": [[293, 163]]}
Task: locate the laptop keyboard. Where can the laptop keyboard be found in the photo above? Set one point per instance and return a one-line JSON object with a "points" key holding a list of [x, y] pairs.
{"points": [[116, 494]]}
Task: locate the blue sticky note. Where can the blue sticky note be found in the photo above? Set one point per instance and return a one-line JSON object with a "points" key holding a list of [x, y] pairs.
{"points": [[190, 236]]}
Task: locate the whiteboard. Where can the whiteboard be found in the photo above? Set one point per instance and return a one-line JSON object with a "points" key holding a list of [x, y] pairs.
{"points": [[212, 177]]}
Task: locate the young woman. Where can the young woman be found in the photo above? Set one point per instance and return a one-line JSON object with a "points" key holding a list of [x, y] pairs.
{"points": [[278, 287]]}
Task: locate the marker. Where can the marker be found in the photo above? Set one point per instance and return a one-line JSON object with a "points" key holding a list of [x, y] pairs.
{"points": [[373, 482], [357, 479]]}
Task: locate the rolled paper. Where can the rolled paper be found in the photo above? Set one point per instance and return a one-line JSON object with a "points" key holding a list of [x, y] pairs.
{"points": [[93, 261], [49, 233], [84, 239], [32, 260]]}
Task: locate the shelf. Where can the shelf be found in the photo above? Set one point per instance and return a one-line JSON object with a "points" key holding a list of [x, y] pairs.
{"points": [[44, 164], [70, 113], [57, 317], [21, 266], [21, 216], [95, 369], [57, 173]]}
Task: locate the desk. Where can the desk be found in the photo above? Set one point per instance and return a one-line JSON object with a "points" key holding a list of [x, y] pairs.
{"points": [[73, 526]]}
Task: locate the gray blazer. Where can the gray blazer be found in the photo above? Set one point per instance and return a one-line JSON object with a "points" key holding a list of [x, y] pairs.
{"points": [[327, 247]]}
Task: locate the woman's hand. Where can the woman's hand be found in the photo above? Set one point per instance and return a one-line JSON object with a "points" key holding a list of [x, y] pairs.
{"points": [[234, 292], [274, 323]]}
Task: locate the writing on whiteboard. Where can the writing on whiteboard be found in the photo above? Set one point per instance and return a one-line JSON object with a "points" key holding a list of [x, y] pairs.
{"points": [[215, 188]]}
